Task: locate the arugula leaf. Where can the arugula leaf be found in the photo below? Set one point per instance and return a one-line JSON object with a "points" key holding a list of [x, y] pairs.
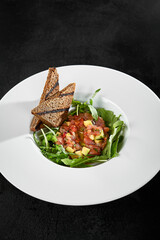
{"points": [[93, 112], [107, 150], [114, 152], [95, 93], [52, 138], [75, 102], [77, 109], [67, 161], [37, 141], [91, 100], [81, 107], [108, 116], [78, 161], [84, 165], [116, 131], [82, 161], [121, 140], [45, 138]]}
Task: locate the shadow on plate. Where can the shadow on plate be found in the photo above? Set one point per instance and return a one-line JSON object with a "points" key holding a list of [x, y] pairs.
{"points": [[15, 119]]}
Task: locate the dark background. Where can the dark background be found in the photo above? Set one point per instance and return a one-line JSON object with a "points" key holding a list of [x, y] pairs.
{"points": [[120, 34]]}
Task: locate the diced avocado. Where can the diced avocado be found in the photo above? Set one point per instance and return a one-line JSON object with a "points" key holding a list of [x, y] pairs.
{"points": [[87, 122], [85, 150], [79, 153], [69, 149], [98, 141], [68, 135], [67, 123], [91, 137], [100, 136]]}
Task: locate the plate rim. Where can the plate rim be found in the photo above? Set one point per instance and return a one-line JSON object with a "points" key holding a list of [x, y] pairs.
{"points": [[64, 203]]}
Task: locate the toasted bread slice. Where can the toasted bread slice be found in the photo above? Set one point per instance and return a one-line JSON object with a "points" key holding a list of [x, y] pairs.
{"points": [[50, 89], [54, 110], [51, 86]]}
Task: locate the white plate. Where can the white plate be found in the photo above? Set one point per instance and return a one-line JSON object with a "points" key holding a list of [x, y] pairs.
{"points": [[24, 166]]}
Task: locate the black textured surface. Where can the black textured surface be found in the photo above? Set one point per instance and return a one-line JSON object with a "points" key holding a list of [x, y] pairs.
{"points": [[120, 34]]}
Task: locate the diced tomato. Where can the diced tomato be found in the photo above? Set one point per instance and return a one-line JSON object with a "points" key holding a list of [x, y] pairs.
{"points": [[70, 117], [80, 135], [72, 122], [87, 141], [64, 129], [81, 122], [93, 130], [104, 143], [77, 146], [77, 140], [60, 140], [94, 150], [101, 143], [72, 128], [77, 123], [64, 135], [106, 129], [100, 122], [87, 116], [84, 116]]}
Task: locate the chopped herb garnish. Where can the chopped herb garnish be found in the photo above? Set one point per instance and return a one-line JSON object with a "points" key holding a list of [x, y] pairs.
{"points": [[95, 149]]}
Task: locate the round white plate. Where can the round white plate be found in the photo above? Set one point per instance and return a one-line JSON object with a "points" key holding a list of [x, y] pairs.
{"points": [[26, 168]]}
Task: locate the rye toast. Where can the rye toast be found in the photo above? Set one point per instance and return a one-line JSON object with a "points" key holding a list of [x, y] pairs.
{"points": [[50, 89], [55, 110]]}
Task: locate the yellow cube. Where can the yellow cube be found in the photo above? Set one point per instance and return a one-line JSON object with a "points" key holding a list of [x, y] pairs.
{"points": [[68, 135], [87, 122], [91, 137], [85, 150], [79, 153], [98, 141], [100, 136], [67, 123], [69, 149]]}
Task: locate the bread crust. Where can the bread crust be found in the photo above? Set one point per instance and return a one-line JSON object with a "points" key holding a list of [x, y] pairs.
{"points": [[55, 110], [50, 89]]}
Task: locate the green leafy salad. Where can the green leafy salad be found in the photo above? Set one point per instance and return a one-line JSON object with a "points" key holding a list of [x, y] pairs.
{"points": [[89, 136]]}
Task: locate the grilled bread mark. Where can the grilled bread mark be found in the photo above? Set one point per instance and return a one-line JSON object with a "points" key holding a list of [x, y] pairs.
{"points": [[53, 111], [52, 82], [51, 90], [52, 79], [66, 94]]}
